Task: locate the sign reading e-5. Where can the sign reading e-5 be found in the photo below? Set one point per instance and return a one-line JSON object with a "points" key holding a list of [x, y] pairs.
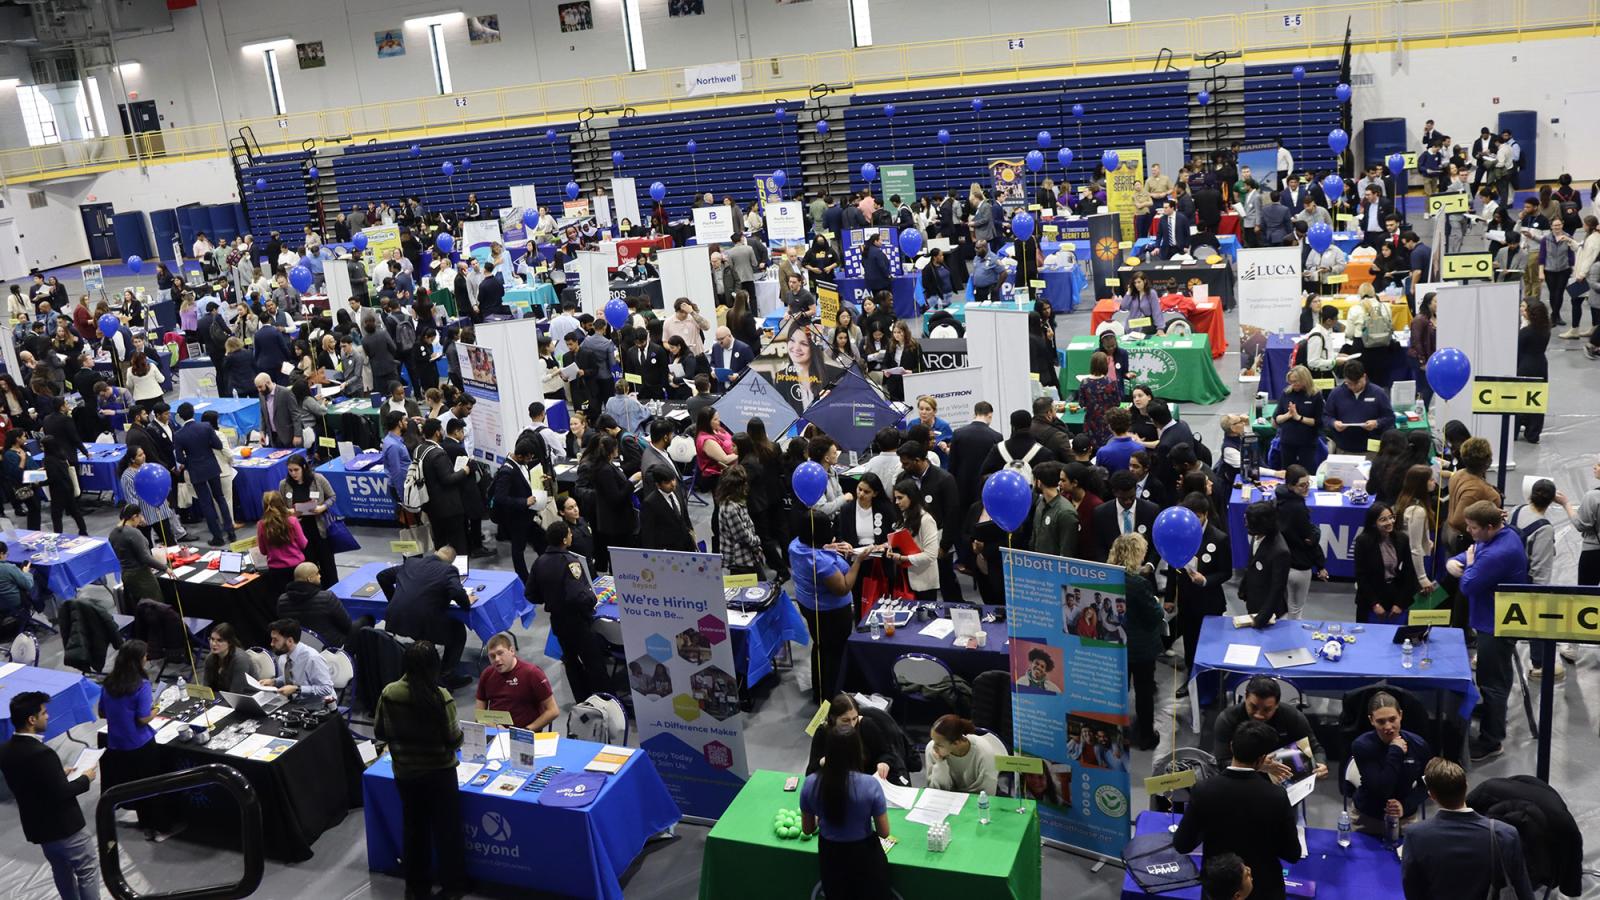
{"points": [[1548, 613], [1510, 394]]}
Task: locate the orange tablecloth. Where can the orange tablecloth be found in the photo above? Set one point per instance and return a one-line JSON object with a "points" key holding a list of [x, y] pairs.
{"points": [[1206, 319]]}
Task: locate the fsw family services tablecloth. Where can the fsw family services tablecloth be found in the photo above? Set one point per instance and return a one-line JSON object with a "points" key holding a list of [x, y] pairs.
{"points": [[998, 860], [515, 840], [1175, 368], [499, 603], [361, 492], [74, 699]]}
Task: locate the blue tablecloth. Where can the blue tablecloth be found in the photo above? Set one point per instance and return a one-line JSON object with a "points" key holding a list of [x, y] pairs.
{"points": [[74, 699], [500, 602], [360, 494], [1364, 869], [1347, 240], [73, 568], [1339, 525], [853, 290], [97, 471], [1063, 287], [524, 297], [754, 644], [515, 840], [1280, 348], [255, 476], [243, 415], [1373, 657], [869, 664]]}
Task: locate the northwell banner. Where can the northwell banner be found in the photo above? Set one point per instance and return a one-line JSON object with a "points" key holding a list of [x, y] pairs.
{"points": [[716, 78]]}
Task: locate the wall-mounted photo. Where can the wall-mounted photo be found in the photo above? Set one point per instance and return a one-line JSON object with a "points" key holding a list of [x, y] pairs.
{"points": [[310, 55], [483, 29], [677, 8], [576, 16], [391, 42]]}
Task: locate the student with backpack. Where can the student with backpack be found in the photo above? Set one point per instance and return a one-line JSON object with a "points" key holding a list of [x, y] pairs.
{"points": [[1369, 329], [1531, 521]]}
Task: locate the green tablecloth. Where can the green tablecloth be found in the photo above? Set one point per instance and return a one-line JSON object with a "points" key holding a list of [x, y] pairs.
{"points": [[1176, 368], [1265, 430], [999, 860], [1074, 420], [445, 299]]}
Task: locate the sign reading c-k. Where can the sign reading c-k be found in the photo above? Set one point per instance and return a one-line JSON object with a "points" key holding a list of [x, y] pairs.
{"points": [[1505, 395]]}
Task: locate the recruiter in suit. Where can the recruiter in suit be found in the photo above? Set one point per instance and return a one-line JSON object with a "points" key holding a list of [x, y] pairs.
{"points": [[1241, 811], [663, 516], [511, 500], [1170, 433], [1458, 853], [421, 590], [1264, 586], [1128, 515], [647, 360], [1196, 591], [277, 413], [272, 350], [1172, 231], [969, 447], [942, 498], [730, 353], [194, 447], [47, 801], [1370, 216]]}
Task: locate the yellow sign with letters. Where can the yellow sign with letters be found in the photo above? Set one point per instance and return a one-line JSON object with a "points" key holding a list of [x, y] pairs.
{"points": [[1176, 781], [1428, 617], [747, 580], [1458, 266], [1506, 395], [1552, 614], [494, 717], [1028, 765], [1455, 202]]}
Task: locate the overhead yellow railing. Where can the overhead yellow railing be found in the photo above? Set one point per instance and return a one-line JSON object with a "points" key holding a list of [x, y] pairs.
{"points": [[996, 58]]}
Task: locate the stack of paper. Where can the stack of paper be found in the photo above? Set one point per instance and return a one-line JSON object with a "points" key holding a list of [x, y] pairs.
{"points": [[934, 805], [897, 796], [609, 760]]}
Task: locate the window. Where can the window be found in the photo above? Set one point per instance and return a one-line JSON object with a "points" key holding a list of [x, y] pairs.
{"points": [[269, 59], [1121, 11], [38, 116], [635, 34], [441, 62], [99, 107], [860, 23]]}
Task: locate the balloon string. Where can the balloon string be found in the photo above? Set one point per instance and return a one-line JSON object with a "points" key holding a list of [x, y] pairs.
{"points": [[177, 598], [1016, 742]]}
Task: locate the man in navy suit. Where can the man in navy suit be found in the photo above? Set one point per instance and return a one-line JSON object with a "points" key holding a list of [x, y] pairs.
{"points": [[1293, 194], [272, 350], [1371, 215], [875, 265], [730, 353], [193, 448], [1172, 232], [1459, 853]]}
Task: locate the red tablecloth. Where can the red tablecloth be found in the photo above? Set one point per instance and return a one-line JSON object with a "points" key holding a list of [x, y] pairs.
{"points": [[1205, 319], [1229, 224], [628, 248]]}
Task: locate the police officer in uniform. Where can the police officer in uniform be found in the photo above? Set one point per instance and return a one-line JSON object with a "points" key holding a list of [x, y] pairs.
{"points": [[558, 582]]}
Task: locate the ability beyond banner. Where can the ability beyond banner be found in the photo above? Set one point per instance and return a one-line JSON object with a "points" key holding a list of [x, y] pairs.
{"points": [[1069, 701], [680, 668]]}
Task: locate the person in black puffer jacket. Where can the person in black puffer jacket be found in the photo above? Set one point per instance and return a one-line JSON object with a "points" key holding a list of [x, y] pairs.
{"points": [[1304, 538], [315, 608]]}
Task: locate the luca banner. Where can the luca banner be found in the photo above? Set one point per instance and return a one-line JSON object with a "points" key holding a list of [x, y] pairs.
{"points": [[680, 668], [717, 78], [1269, 300], [1121, 185], [1069, 701]]}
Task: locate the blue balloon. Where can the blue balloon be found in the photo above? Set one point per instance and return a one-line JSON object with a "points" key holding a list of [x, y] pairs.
{"points": [[1299, 73], [1342, 92], [550, 134], [1449, 370], [1043, 138], [911, 242], [1320, 236], [1397, 163], [977, 104], [448, 168], [1177, 534], [658, 191], [780, 177], [944, 136], [810, 481], [153, 483], [822, 126], [1077, 110], [1035, 160], [446, 244], [301, 279], [359, 240], [1022, 225], [1110, 160], [617, 157], [466, 163], [869, 172], [261, 184], [109, 324], [1333, 186], [617, 312], [135, 264], [530, 219], [1338, 140], [1007, 497], [1204, 97], [1064, 156], [416, 149], [888, 110], [780, 112], [312, 172], [691, 146], [572, 190]]}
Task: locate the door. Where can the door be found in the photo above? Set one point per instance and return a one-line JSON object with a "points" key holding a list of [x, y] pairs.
{"points": [[1578, 133], [12, 263], [97, 227], [145, 116]]}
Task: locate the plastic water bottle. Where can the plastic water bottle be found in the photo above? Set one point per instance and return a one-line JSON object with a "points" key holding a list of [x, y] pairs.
{"points": [[1344, 827], [983, 807], [1406, 653], [877, 628], [1391, 830]]}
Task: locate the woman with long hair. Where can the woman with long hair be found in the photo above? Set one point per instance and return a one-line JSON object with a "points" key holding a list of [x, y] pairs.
{"points": [[1386, 581], [875, 345], [741, 321], [1533, 344], [14, 489], [417, 719], [903, 357], [158, 519], [1098, 394], [310, 496], [1424, 338], [844, 351], [960, 759], [16, 403], [1141, 302], [1389, 465], [680, 387], [922, 573], [883, 743], [1417, 507], [1140, 425], [866, 520], [847, 811], [733, 529], [227, 668], [713, 448], [127, 703], [1141, 623], [615, 519], [845, 322], [281, 539]]}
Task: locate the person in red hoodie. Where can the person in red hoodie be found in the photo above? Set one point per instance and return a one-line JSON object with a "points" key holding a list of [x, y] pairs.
{"points": [[1076, 479]]}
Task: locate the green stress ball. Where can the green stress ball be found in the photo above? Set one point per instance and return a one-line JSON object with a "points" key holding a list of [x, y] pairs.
{"points": [[805, 837], [777, 832]]}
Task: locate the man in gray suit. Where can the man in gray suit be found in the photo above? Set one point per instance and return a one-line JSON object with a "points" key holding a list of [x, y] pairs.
{"points": [[277, 413], [353, 366], [1459, 853], [983, 223]]}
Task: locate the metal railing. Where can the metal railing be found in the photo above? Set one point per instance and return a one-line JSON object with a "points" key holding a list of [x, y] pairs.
{"points": [[1053, 53]]}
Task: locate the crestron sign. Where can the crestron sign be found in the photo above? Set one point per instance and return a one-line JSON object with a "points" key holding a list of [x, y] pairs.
{"points": [[717, 78]]}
